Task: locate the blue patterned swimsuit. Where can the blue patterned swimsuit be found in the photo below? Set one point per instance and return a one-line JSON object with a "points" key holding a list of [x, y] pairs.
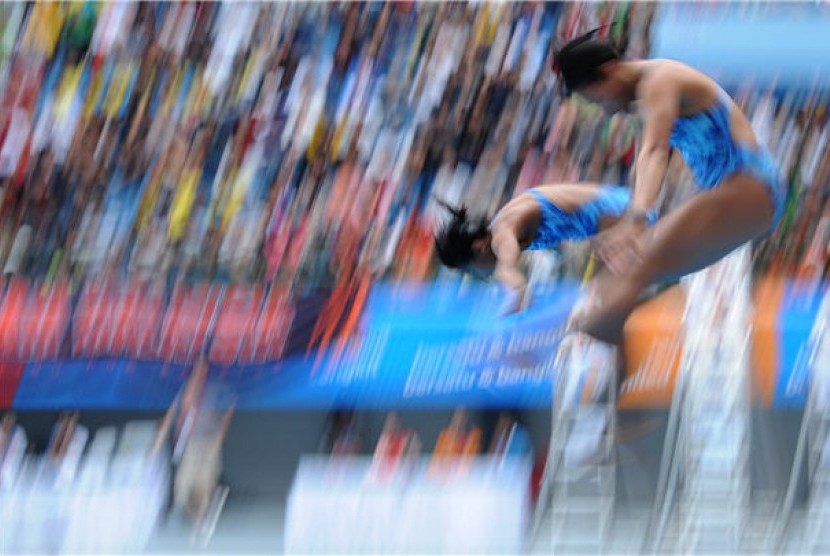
{"points": [[557, 225], [705, 141]]}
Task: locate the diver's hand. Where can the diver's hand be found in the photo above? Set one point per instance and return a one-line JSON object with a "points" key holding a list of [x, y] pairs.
{"points": [[619, 245], [516, 301], [515, 283]]}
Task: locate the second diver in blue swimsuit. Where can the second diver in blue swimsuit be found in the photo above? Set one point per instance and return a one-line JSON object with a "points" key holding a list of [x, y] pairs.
{"points": [[539, 219]]}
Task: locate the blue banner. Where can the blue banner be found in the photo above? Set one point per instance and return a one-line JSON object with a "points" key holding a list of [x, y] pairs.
{"points": [[100, 384], [419, 346]]}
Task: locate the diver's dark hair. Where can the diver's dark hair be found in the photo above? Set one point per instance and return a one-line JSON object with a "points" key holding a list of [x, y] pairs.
{"points": [[454, 241], [578, 62]]}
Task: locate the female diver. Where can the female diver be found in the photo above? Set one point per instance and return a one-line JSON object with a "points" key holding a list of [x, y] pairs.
{"points": [[741, 195], [539, 219]]}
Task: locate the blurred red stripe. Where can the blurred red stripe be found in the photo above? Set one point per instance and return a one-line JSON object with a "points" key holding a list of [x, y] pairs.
{"points": [[10, 375], [10, 318]]}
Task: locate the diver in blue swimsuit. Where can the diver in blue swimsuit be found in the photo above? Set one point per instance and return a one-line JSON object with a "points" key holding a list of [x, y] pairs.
{"points": [[540, 219], [741, 194]]}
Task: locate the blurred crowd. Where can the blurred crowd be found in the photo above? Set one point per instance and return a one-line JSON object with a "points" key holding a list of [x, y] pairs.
{"points": [[296, 143], [281, 141]]}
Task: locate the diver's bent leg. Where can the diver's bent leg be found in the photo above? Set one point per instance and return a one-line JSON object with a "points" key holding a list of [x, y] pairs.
{"points": [[705, 229]]}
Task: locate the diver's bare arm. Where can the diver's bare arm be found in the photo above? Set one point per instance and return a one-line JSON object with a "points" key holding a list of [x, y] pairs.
{"points": [[507, 251], [660, 99]]}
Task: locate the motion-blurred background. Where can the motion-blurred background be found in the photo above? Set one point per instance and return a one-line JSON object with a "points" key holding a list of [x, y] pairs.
{"points": [[216, 226]]}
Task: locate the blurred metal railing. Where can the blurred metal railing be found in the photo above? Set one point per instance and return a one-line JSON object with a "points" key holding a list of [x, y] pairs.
{"points": [[579, 484], [704, 476], [812, 450]]}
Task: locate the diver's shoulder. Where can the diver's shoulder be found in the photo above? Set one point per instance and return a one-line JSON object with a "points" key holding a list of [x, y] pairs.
{"points": [[664, 67]]}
